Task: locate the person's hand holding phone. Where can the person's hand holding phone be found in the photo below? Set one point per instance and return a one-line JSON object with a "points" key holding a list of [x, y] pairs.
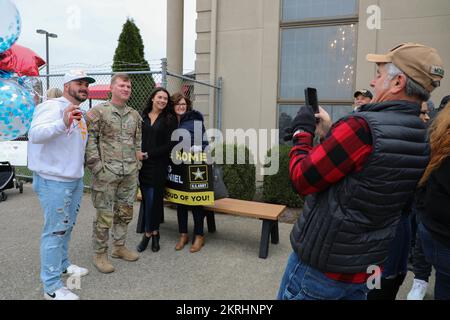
{"points": [[324, 123], [304, 120], [71, 113]]}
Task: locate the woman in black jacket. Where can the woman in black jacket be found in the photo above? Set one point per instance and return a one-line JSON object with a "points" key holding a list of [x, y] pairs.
{"points": [[187, 117], [158, 125], [434, 228]]}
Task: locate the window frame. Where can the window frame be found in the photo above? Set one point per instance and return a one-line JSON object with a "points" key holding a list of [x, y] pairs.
{"points": [[319, 19], [312, 23]]}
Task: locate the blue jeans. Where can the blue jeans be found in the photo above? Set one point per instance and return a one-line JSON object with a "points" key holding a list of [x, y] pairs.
{"points": [[439, 256], [151, 219], [302, 282], [197, 213], [397, 261], [60, 202]]}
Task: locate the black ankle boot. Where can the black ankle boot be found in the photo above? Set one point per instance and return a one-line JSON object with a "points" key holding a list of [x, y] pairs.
{"points": [[143, 244], [155, 242]]}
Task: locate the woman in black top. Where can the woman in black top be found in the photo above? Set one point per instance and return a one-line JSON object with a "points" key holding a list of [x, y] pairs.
{"points": [[158, 125], [434, 228]]}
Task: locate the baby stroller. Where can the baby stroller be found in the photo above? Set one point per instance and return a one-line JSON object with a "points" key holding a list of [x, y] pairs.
{"points": [[8, 179]]}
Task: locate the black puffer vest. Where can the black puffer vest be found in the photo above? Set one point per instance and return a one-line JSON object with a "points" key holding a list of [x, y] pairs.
{"points": [[349, 226]]}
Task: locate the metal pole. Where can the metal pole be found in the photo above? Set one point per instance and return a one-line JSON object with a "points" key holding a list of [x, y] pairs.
{"points": [[164, 72], [47, 53], [48, 61], [219, 103]]}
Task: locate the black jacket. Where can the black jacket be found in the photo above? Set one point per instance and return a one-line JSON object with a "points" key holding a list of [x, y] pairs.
{"points": [[349, 226], [188, 122], [156, 141], [436, 217]]}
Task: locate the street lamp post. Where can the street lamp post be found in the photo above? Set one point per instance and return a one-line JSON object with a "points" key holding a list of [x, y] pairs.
{"points": [[47, 35]]}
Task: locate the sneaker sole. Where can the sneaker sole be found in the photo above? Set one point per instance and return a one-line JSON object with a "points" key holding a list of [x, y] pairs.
{"points": [[73, 274], [47, 297]]}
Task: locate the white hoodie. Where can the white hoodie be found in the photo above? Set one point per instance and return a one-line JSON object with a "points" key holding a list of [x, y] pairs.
{"points": [[53, 153]]}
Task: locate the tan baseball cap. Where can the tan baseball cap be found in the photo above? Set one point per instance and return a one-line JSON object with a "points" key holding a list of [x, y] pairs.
{"points": [[421, 63]]}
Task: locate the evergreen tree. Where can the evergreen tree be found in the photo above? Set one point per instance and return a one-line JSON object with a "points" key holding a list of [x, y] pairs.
{"points": [[129, 56]]}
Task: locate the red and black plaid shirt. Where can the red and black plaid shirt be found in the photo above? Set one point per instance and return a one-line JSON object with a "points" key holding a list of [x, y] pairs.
{"points": [[344, 151]]}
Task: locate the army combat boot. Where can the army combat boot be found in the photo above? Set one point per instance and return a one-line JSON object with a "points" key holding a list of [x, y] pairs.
{"points": [[122, 252], [102, 264]]}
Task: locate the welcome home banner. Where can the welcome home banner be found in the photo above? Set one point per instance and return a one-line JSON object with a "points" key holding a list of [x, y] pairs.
{"points": [[190, 183]]}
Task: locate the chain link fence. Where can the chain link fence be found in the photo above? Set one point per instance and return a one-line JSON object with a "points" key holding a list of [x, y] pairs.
{"points": [[143, 83]]}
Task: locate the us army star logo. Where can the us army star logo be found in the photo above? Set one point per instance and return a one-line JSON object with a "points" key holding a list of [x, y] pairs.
{"points": [[198, 174]]}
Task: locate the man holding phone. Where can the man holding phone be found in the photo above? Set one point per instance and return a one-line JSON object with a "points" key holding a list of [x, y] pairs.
{"points": [[359, 180], [57, 141]]}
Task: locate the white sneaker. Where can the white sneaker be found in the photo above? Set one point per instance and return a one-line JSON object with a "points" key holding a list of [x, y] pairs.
{"points": [[75, 270], [418, 290], [61, 294]]}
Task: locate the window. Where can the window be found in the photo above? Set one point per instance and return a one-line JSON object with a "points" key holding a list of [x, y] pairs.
{"points": [[294, 10], [320, 57], [318, 49]]}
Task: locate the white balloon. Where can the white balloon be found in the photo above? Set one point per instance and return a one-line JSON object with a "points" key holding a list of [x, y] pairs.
{"points": [[10, 24]]}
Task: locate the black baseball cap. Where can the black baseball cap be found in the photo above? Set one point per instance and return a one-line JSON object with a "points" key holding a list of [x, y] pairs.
{"points": [[364, 93]]}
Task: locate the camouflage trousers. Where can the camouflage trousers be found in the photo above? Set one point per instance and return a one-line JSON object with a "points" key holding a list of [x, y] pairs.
{"points": [[113, 197]]}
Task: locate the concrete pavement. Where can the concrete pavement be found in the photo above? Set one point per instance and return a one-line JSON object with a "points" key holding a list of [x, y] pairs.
{"points": [[226, 268]]}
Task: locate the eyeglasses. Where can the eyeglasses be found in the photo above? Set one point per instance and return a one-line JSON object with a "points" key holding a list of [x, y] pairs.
{"points": [[181, 104], [424, 112]]}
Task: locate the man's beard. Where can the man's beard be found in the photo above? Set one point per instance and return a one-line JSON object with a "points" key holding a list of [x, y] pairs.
{"points": [[76, 95]]}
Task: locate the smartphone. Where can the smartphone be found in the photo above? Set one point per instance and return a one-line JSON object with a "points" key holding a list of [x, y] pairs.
{"points": [[77, 112], [311, 99]]}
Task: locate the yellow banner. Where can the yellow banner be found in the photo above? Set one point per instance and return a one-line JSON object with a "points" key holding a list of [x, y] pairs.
{"points": [[190, 198]]}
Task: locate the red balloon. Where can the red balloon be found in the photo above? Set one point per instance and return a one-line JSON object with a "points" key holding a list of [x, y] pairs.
{"points": [[21, 60]]}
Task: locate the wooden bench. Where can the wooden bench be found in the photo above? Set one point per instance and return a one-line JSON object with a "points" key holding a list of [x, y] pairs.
{"points": [[268, 213]]}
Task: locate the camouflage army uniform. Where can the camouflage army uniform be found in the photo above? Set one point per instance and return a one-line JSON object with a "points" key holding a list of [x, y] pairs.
{"points": [[114, 139]]}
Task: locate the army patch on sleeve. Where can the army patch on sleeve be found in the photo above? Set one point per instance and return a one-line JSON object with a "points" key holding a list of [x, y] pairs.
{"points": [[91, 116]]}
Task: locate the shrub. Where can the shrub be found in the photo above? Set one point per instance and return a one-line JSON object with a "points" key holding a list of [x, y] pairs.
{"points": [[278, 188], [239, 177]]}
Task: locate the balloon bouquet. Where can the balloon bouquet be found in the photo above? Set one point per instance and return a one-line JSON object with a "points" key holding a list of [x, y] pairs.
{"points": [[17, 63]]}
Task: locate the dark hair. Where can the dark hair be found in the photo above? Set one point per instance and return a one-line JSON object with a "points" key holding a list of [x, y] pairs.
{"points": [[177, 96], [149, 104], [168, 111]]}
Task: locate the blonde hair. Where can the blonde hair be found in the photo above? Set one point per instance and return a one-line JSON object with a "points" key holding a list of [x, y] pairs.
{"points": [[54, 93], [123, 76], [439, 142]]}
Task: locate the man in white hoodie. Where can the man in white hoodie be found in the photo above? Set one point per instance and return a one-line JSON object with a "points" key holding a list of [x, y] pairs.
{"points": [[57, 142]]}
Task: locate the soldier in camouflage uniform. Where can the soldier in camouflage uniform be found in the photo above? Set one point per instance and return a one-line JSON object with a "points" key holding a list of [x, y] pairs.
{"points": [[113, 154]]}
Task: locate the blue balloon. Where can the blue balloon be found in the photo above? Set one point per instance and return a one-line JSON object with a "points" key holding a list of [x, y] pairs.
{"points": [[9, 24], [16, 110]]}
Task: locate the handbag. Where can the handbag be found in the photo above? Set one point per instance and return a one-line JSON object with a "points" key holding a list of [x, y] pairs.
{"points": [[220, 189]]}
